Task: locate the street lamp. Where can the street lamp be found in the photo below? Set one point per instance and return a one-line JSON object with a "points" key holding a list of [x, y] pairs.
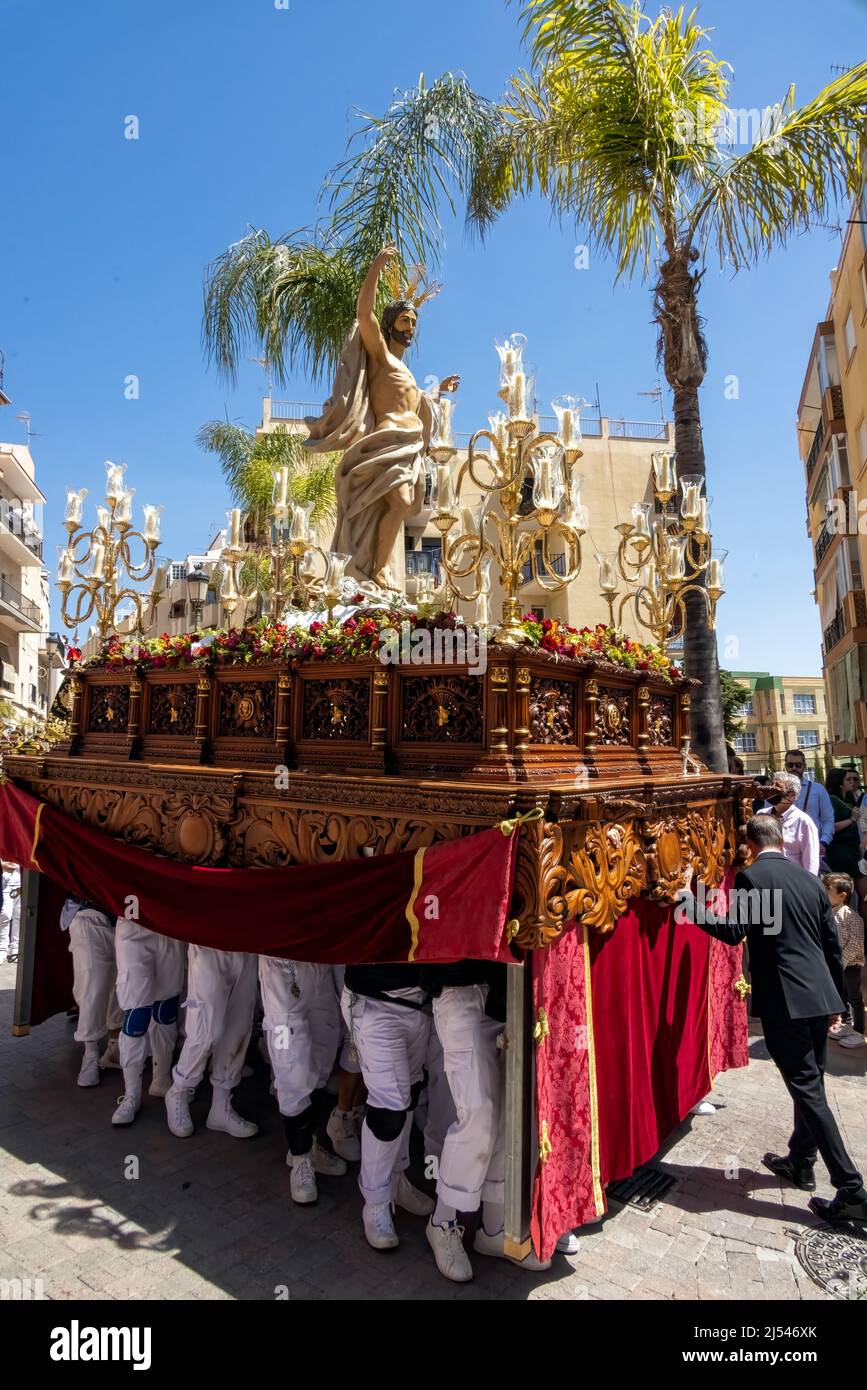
{"points": [[198, 582]]}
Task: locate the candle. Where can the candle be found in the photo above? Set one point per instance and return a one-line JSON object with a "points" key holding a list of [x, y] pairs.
{"points": [[299, 525], [160, 573], [445, 422], [235, 527], [517, 397], [123, 509], [607, 574], [74, 505], [445, 497], [64, 566], [152, 522], [640, 512], [483, 609], [498, 429], [282, 487], [114, 481], [702, 517], [103, 519], [97, 569], [676, 560], [690, 506]]}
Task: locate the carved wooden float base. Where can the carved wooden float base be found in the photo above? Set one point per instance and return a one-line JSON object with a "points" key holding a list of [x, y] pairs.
{"points": [[593, 848]]}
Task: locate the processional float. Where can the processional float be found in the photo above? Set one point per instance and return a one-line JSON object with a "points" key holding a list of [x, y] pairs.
{"points": [[286, 738]]}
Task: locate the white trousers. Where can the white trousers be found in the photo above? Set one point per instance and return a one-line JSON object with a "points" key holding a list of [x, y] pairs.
{"points": [[302, 1025], [10, 923], [94, 972], [472, 1164], [440, 1110], [392, 1042], [150, 968], [348, 1055], [221, 998]]}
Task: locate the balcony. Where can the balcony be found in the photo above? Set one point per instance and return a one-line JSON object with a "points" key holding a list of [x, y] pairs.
{"points": [[835, 631], [851, 617], [826, 535], [815, 449], [557, 563], [20, 537], [18, 612]]}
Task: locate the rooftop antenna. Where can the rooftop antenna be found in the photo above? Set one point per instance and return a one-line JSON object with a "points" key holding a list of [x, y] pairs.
{"points": [[24, 417], [656, 395]]}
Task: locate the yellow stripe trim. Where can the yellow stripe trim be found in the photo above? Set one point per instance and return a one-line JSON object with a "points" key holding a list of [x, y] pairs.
{"points": [[709, 1013], [418, 873], [598, 1195], [39, 811]]}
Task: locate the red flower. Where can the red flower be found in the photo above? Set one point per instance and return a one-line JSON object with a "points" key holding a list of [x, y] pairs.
{"points": [[318, 651], [316, 627], [350, 625], [548, 643], [73, 654], [547, 624], [368, 627]]}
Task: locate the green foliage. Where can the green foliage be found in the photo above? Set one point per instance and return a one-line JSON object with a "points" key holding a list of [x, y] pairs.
{"points": [[250, 460], [732, 696]]}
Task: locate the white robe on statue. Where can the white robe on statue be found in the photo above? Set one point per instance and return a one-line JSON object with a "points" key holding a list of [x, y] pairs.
{"points": [[377, 458]]}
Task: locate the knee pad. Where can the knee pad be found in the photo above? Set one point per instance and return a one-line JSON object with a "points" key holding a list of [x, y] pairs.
{"points": [[415, 1091], [299, 1131], [135, 1022], [386, 1124], [166, 1010]]}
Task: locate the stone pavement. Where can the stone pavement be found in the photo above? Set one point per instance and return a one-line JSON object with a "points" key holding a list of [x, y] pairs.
{"points": [[211, 1218]]}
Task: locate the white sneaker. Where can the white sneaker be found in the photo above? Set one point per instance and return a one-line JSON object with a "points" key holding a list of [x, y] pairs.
{"points": [[161, 1083], [89, 1073], [224, 1117], [111, 1056], [568, 1244], [496, 1247], [302, 1180], [379, 1226], [178, 1111], [127, 1109], [404, 1195], [448, 1251], [852, 1039], [342, 1133], [329, 1164]]}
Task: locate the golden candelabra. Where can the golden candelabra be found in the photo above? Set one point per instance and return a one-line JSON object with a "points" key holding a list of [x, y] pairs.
{"points": [[101, 560], [289, 571], [661, 560], [530, 475]]}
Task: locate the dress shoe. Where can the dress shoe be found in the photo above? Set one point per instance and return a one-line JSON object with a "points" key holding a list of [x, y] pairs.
{"points": [[839, 1209], [799, 1175]]}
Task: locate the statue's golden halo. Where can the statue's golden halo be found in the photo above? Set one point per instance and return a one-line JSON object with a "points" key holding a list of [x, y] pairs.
{"points": [[416, 281]]}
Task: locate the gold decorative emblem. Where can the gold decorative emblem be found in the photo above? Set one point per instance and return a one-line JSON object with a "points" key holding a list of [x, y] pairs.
{"points": [[542, 1028], [173, 717], [686, 701], [380, 679], [442, 716], [284, 682], [135, 687], [550, 717], [336, 714], [203, 685], [643, 693], [592, 687], [109, 712], [742, 988], [546, 1148], [523, 676], [512, 929], [612, 716], [246, 708], [500, 675]]}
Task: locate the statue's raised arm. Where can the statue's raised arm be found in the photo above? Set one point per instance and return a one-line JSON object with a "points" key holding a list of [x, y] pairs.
{"points": [[381, 420]]}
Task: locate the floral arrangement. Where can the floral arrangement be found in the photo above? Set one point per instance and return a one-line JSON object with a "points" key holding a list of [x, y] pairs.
{"points": [[359, 635]]}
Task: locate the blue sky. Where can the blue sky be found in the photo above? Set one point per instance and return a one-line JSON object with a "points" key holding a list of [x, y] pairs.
{"points": [[243, 107]]}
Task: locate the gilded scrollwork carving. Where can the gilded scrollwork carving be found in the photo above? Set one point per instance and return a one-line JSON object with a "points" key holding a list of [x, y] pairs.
{"points": [[246, 709], [109, 709], [173, 708], [660, 721], [336, 710], [604, 866], [275, 836], [537, 901], [614, 717]]}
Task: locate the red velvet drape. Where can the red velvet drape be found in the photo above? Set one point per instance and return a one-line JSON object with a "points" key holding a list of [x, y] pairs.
{"points": [[614, 1080]]}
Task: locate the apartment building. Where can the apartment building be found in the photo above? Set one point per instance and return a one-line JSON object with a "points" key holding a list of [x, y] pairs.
{"points": [[26, 654], [781, 712], [615, 472], [832, 440]]}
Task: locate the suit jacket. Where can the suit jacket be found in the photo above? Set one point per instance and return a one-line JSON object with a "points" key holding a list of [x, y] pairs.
{"points": [[796, 971]]}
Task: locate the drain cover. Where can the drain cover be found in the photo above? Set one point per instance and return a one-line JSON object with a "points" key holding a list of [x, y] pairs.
{"points": [[646, 1187], [836, 1259]]}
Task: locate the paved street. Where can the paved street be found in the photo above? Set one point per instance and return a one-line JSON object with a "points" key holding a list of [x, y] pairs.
{"points": [[211, 1218]]}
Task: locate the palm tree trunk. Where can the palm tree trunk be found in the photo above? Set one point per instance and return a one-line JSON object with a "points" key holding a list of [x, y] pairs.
{"points": [[683, 354]]}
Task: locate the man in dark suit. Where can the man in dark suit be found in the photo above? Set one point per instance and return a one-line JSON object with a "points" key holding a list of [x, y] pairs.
{"points": [[797, 979]]}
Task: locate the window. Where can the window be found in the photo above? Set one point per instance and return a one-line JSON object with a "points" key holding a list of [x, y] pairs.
{"points": [[178, 609], [805, 704], [745, 743], [538, 614], [179, 571], [808, 738], [849, 335], [746, 708], [782, 702]]}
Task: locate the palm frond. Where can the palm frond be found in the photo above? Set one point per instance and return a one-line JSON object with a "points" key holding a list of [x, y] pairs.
{"points": [[249, 462], [805, 164]]}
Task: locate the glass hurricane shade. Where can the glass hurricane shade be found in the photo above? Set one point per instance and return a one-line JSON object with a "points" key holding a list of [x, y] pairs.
{"points": [[568, 412], [498, 425], [74, 505], [114, 486], [608, 578], [151, 522], [299, 521], [522, 392], [443, 434], [335, 568], [510, 352], [280, 493], [676, 564], [641, 519], [65, 566], [445, 496], [663, 471], [228, 585], [549, 485], [123, 507], [691, 485], [716, 570], [97, 561]]}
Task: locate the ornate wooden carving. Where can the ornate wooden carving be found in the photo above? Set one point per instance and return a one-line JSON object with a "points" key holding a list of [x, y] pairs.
{"points": [[273, 836], [441, 709], [336, 710], [677, 846], [591, 705], [246, 709], [109, 709], [499, 687], [552, 711], [203, 701], [643, 740], [381, 687], [614, 717], [538, 901], [604, 866], [172, 709], [521, 726], [134, 721], [660, 721]]}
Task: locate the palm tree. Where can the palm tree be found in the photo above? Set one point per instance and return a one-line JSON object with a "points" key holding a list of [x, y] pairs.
{"points": [[622, 124], [249, 462]]}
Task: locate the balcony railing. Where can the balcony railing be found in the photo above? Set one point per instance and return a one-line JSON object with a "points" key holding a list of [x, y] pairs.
{"points": [[815, 449], [835, 631], [13, 518], [555, 562], [15, 599], [826, 535]]}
